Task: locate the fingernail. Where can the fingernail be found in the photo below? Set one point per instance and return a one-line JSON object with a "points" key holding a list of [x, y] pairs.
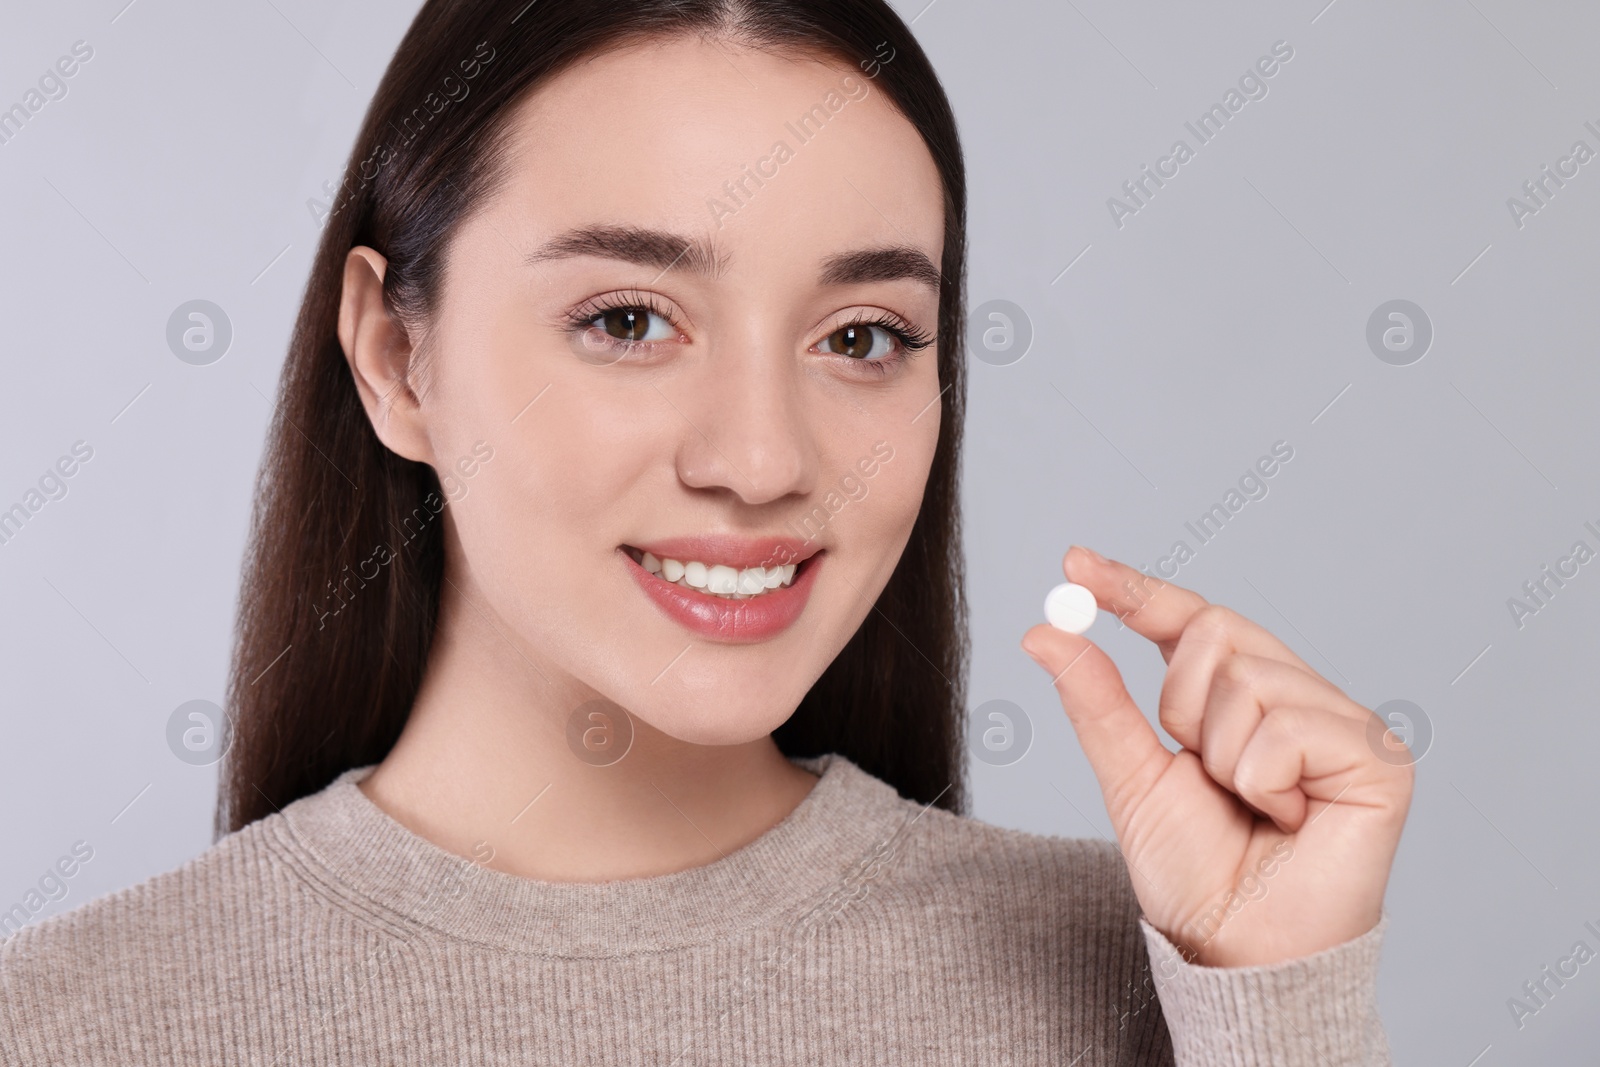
{"points": [[1092, 554]]}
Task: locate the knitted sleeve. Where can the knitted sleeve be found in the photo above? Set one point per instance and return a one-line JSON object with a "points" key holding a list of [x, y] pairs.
{"points": [[1319, 1010]]}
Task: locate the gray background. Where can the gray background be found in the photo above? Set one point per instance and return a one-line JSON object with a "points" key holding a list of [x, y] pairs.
{"points": [[1229, 313]]}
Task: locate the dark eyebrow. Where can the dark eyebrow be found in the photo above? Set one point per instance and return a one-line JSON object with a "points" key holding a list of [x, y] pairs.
{"points": [[881, 265], [648, 248], [665, 251]]}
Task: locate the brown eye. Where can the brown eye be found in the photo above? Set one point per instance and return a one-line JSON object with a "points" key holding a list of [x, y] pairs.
{"points": [[854, 341], [626, 324]]}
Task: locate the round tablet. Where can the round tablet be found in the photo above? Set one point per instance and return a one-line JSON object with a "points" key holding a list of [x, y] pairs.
{"points": [[1069, 607]]}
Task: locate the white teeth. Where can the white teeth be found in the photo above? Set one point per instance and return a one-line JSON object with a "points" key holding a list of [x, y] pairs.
{"points": [[716, 579], [722, 580]]}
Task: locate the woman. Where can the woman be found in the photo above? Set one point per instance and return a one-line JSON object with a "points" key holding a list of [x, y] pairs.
{"points": [[600, 666]]}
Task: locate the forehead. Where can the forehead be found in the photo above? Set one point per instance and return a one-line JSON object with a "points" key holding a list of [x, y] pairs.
{"points": [[768, 157]]}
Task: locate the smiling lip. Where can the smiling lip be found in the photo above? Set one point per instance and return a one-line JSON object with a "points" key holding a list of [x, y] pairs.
{"points": [[719, 618], [735, 552]]}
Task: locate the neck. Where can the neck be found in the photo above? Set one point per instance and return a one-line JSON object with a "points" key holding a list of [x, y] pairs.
{"points": [[483, 769]]}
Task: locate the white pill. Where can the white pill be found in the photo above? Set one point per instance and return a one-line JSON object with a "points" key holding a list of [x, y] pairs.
{"points": [[1069, 607]]}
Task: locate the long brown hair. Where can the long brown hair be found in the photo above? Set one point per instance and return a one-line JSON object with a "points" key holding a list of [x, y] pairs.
{"points": [[308, 702]]}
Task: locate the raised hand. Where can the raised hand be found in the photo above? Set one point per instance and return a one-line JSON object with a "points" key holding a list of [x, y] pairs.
{"points": [[1270, 833]]}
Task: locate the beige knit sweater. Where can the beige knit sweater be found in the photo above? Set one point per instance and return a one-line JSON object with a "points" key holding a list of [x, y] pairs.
{"points": [[862, 929]]}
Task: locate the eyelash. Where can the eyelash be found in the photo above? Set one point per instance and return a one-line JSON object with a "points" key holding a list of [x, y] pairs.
{"points": [[909, 339], [582, 317]]}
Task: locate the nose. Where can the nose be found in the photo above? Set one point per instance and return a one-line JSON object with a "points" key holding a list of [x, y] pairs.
{"points": [[745, 420]]}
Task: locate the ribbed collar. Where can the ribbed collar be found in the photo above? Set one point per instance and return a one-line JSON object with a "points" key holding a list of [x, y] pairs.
{"points": [[342, 840]]}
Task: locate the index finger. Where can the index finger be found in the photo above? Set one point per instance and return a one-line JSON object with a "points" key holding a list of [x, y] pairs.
{"points": [[1148, 606], [1162, 611]]}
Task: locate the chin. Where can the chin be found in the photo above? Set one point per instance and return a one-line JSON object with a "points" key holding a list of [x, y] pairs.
{"points": [[713, 717]]}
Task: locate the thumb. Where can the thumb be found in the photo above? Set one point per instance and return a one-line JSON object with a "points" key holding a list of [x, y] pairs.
{"points": [[1122, 747]]}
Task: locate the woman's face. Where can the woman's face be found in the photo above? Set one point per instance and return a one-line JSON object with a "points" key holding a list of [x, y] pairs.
{"points": [[686, 325]]}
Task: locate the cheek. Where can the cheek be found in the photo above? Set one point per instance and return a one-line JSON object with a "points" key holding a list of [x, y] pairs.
{"points": [[540, 517], [894, 496], [568, 444], [535, 541], [880, 481]]}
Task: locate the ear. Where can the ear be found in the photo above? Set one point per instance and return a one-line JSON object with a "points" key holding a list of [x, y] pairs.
{"points": [[379, 354]]}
